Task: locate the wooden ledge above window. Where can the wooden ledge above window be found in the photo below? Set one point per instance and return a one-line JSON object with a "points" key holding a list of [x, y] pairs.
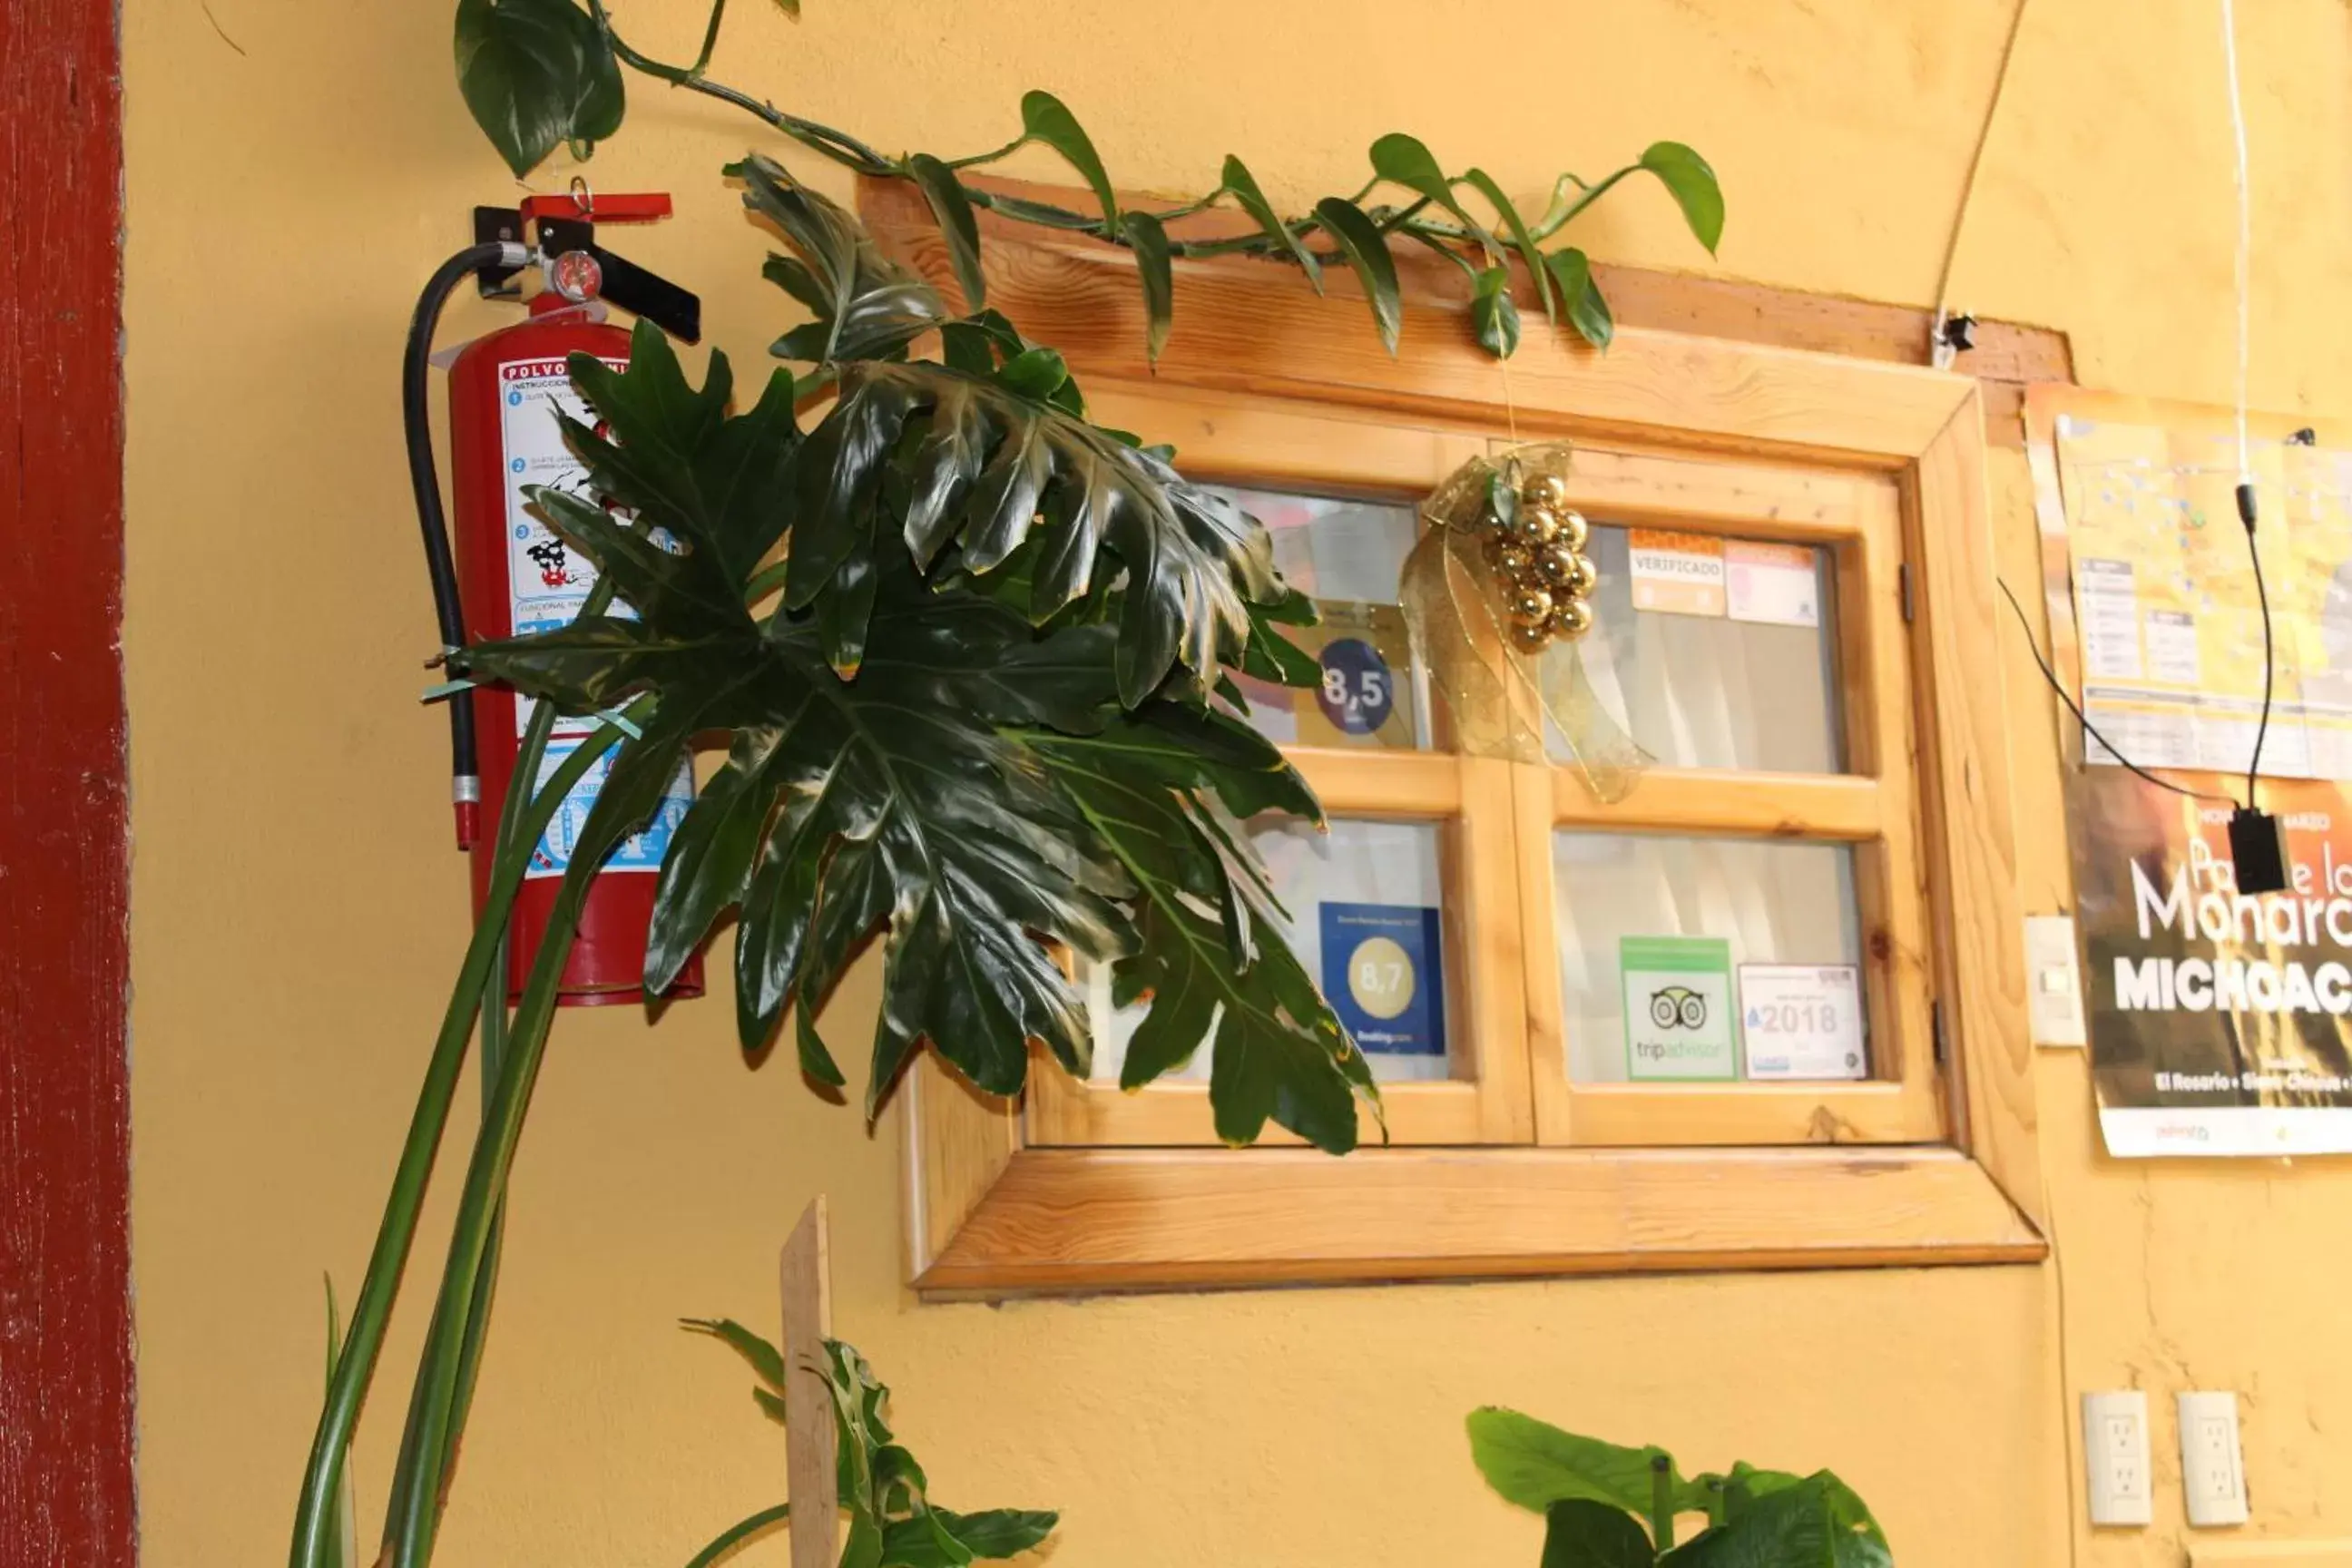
{"points": [[1880, 463]]}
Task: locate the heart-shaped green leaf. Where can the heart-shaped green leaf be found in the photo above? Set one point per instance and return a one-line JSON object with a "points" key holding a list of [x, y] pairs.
{"points": [[1588, 312], [1402, 159], [1238, 180], [1494, 315], [952, 210], [1693, 182], [1144, 232], [1366, 252], [1521, 236], [536, 74], [1044, 117]]}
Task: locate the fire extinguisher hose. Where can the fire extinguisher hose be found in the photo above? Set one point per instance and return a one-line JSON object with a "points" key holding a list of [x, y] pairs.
{"points": [[465, 769]]}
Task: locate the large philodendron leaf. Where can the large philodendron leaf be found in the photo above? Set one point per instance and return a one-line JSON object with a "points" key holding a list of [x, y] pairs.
{"points": [[1212, 960], [978, 788], [537, 74], [866, 305], [981, 463]]}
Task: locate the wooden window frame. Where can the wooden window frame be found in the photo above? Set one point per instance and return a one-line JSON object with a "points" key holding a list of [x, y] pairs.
{"points": [[1891, 455]]}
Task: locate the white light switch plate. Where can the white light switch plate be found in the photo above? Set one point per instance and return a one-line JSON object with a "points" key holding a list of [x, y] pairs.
{"points": [[2212, 1465], [2053, 982], [2116, 1454]]}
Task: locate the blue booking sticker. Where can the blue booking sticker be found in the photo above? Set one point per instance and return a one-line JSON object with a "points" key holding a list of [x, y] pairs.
{"points": [[1358, 693], [1385, 977]]}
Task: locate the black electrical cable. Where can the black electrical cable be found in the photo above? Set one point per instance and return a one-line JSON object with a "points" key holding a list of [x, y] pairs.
{"points": [[465, 767], [2059, 686], [2246, 516]]}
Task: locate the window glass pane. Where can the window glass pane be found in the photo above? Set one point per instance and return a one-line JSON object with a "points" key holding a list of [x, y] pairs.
{"points": [[1370, 922], [1709, 959], [1707, 656], [1346, 556]]}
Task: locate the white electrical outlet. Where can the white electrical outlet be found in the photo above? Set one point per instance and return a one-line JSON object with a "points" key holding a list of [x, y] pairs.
{"points": [[2115, 1454], [2212, 1467]]}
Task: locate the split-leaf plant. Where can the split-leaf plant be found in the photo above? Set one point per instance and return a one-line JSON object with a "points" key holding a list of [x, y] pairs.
{"points": [[1610, 1507], [884, 1495], [544, 74], [981, 704]]}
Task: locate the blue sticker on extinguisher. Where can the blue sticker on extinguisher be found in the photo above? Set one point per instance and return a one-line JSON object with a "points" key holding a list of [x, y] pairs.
{"points": [[643, 850]]}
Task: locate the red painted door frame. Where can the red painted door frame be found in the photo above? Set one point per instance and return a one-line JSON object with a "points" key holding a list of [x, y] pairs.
{"points": [[66, 1487]]}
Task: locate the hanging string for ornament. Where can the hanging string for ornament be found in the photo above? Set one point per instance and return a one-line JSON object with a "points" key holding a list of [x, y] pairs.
{"points": [[1495, 596]]}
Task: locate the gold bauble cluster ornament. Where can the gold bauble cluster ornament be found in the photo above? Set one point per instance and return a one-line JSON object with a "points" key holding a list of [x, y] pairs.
{"points": [[1535, 545]]}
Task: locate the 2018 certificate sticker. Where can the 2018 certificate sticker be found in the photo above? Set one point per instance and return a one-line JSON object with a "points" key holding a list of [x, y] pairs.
{"points": [[1802, 1020]]}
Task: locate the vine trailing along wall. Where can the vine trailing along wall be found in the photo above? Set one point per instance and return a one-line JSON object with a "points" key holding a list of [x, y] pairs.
{"points": [[968, 654], [543, 74]]}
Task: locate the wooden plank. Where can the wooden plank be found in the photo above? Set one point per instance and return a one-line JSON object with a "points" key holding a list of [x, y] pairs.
{"points": [[811, 1440], [1657, 1115], [66, 1491], [1251, 329], [1376, 781], [1638, 297], [1709, 800], [1236, 438], [1978, 926], [1098, 1219]]}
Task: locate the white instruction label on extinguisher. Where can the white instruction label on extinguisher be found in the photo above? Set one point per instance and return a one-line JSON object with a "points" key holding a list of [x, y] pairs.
{"points": [[549, 582], [643, 850]]}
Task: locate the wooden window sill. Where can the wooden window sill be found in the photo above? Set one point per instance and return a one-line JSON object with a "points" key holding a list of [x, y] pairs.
{"points": [[1098, 1219]]}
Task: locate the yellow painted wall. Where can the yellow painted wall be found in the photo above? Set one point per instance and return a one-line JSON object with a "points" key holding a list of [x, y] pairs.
{"points": [[296, 167]]}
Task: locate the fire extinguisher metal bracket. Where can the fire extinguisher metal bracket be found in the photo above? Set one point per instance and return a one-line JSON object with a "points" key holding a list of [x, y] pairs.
{"points": [[563, 225], [644, 294]]}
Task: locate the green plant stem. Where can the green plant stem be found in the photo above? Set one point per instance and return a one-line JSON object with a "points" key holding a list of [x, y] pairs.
{"points": [[837, 145], [852, 153], [976, 159], [726, 1541], [414, 1525], [1661, 1502], [492, 1009], [1551, 226], [364, 1341]]}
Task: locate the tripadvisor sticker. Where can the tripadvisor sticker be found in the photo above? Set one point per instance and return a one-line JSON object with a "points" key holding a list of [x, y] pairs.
{"points": [[1680, 1023]]}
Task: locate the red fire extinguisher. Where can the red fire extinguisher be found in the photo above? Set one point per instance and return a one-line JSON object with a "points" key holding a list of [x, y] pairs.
{"points": [[510, 575]]}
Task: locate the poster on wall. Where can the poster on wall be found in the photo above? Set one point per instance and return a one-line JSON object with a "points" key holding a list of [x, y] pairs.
{"points": [[2220, 1024]]}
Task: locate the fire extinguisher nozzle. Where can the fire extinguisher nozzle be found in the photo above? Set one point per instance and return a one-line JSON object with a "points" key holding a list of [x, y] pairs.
{"points": [[469, 823]]}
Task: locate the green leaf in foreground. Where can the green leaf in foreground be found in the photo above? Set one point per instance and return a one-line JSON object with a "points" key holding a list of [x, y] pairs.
{"points": [[1484, 184], [1245, 187], [1687, 175], [1361, 242], [536, 74], [1495, 315], [761, 1354], [1534, 1464], [1047, 118], [1582, 1533], [1150, 242], [952, 210], [1588, 312]]}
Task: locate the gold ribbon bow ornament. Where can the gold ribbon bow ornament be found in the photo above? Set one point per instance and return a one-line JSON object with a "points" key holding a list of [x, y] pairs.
{"points": [[1495, 596]]}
